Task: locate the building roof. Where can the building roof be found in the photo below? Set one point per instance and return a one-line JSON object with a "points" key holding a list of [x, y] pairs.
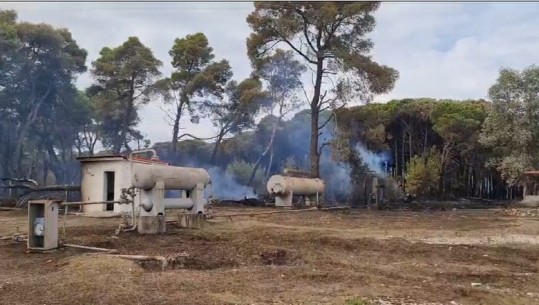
{"points": [[107, 158], [101, 158]]}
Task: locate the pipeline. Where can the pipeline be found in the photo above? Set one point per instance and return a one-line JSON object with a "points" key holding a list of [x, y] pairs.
{"points": [[11, 209], [91, 248], [15, 237], [162, 259], [129, 192], [90, 202]]}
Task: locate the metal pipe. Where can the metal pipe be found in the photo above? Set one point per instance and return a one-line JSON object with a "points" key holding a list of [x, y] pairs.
{"points": [[10, 209], [15, 237], [178, 203], [65, 220], [162, 259], [133, 219], [89, 202], [170, 203], [91, 248]]}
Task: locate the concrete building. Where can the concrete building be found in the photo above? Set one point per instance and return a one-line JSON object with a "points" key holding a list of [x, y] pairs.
{"points": [[103, 178]]}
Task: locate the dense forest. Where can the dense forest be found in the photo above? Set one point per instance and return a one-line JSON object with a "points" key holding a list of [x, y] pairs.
{"points": [[425, 147]]}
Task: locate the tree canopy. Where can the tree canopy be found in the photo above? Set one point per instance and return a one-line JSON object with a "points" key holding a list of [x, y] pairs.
{"points": [[511, 128], [124, 78], [39, 64], [196, 75], [332, 38]]}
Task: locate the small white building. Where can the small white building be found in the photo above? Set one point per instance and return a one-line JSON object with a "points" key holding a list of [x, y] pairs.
{"points": [[103, 178]]}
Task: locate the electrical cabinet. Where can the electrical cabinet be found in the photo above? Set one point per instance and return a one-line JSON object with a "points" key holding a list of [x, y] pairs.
{"points": [[43, 224]]}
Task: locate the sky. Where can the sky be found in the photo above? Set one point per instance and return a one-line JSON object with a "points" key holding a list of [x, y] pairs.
{"points": [[441, 49]]}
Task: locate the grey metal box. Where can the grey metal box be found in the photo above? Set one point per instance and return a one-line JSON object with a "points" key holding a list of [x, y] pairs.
{"points": [[43, 224]]}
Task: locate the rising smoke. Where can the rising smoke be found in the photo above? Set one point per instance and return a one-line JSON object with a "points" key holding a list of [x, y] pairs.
{"points": [[224, 186], [375, 162], [295, 143]]}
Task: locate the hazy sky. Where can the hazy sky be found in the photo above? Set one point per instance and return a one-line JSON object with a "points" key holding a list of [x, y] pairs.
{"points": [[442, 50]]}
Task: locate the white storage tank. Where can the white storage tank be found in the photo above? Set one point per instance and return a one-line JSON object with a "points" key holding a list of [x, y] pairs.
{"points": [[282, 185]]}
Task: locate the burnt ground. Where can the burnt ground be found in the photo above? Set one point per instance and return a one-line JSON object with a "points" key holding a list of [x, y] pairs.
{"points": [[362, 257]]}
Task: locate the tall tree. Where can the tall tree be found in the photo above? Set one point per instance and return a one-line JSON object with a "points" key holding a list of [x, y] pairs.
{"points": [[196, 75], [236, 111], [511, 128], [38, 63], [123, 82], [90, 131], [459, 125], [282, 75], [331, 38]]}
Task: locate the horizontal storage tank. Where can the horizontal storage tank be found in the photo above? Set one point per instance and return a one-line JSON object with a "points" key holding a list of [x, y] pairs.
{"points": [[144, 176], [282, 185]]}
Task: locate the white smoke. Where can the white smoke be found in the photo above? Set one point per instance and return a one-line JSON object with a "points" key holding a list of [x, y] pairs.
{"points": [[225, 187], [375, 162]]}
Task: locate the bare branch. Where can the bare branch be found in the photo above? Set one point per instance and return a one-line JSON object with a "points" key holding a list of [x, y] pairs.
{"points": [[307, 99], [295, 48], [323, 97], [268, 48], [194, 137], [325, 71], [305, 33], [322, 147], [326, 122], [169, 115]]}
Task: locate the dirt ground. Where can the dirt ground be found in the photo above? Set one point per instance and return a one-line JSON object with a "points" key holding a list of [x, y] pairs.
{"points": [[357, 258]]}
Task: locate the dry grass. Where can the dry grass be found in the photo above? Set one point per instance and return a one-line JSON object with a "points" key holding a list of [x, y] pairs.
{"points": [[309, 258]]}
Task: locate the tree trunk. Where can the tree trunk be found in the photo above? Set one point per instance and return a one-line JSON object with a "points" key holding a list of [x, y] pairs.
{"points": [[426, 138], [176, 128], [410, 145], [45, 171], [56, 168], [216, 147], [268, 171], [266, 150], [30, 119], [396, 170], [122, 138], [403, 163], [315, 104], [481, 183]]}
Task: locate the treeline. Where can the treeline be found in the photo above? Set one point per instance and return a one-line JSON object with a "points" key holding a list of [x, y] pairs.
{"points": [[430, 148], [456, 148]]}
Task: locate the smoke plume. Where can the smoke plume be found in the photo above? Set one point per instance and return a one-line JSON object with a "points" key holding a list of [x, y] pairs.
{"points": [[224, 186], [294, 143], [378, 163]]}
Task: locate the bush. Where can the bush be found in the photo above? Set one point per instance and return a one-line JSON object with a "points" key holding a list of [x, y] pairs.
{"points": [[423, 173]]}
